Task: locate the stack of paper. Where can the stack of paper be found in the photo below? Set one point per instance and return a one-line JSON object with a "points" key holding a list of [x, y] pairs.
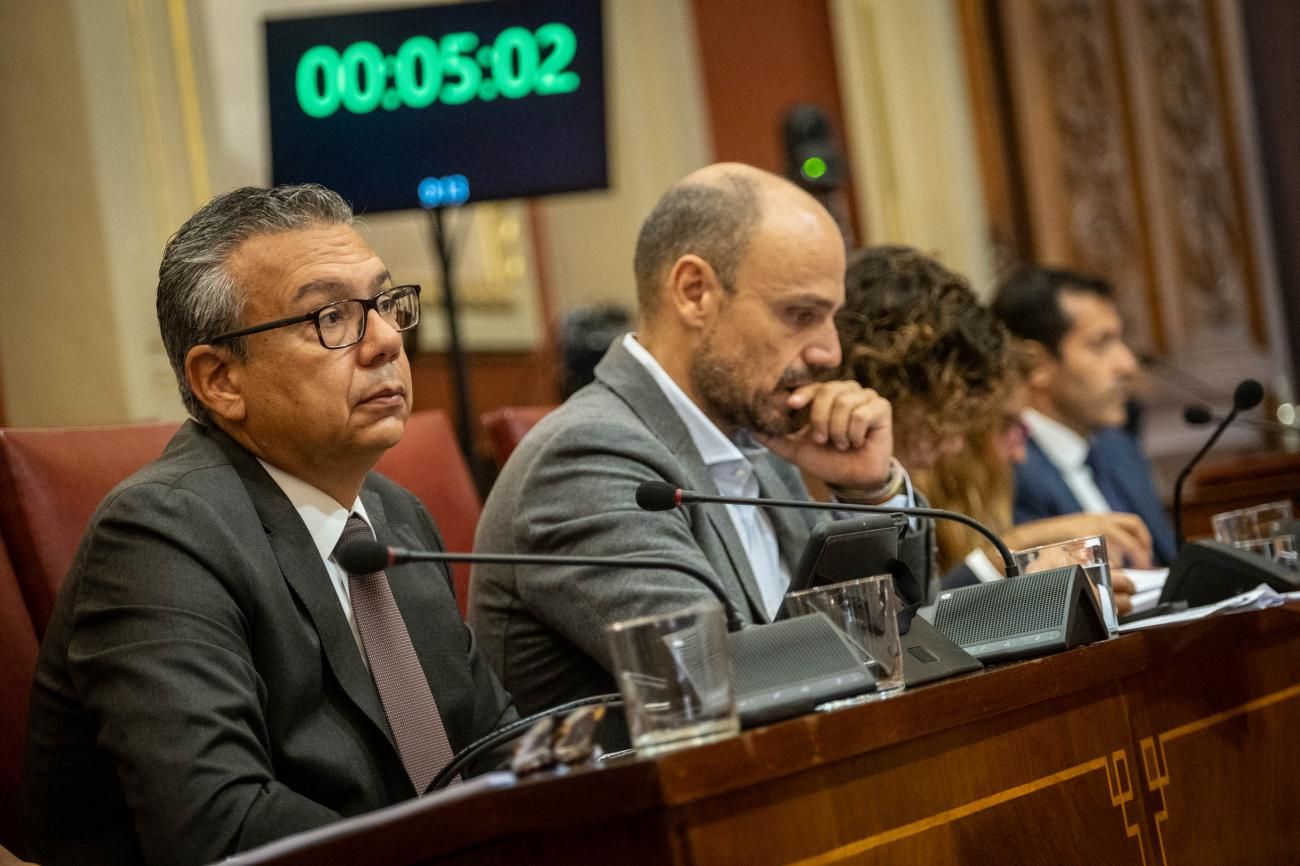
{"points": [[1258, 598]]}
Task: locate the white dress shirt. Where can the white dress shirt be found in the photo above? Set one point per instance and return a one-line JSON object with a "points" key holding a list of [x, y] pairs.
{"points": [[1068, 451], [730, 464], [325, 520]]}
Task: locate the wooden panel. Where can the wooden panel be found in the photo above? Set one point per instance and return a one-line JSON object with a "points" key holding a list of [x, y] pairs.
{"points": [[1190, 178], [1221, 753], [1168, 746], [1070, 114], [1272, 31], [1121, 140], [1002, 185], [978, 787], [496, 379], [759, 57], [1231, 482]]}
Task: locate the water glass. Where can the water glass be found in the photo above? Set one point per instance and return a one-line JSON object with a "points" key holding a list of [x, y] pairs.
{"points": [[1252, 524], [1279, 548], [866, 610], [674, 671], [1088, 552]]}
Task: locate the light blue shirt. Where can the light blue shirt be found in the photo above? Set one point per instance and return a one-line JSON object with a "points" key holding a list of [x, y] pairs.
{"points": [[731, 466]]}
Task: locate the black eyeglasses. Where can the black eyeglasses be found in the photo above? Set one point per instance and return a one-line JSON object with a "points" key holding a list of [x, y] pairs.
{"points": [[343, 323]]}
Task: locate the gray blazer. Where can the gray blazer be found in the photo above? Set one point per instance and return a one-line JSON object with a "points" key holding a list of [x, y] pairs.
{"points": [[570, 488], [199, 690]]}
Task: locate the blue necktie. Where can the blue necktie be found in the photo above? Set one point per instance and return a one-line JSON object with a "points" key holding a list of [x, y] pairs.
{"points": [[1105, 482]]}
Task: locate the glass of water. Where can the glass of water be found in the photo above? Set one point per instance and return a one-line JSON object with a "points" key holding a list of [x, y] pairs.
{"points": [[1088, 552], [674, 671]]}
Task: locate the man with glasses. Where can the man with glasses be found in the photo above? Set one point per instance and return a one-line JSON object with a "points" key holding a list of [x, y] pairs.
{"points": [[211, 679]]}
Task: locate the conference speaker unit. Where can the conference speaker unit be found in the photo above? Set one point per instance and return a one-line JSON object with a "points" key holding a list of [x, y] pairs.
{"points": [[786, 668], [1021, 617], [1205, 572]]}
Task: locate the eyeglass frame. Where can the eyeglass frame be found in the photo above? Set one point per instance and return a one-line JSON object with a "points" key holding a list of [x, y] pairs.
{"points": [[313, 316]]}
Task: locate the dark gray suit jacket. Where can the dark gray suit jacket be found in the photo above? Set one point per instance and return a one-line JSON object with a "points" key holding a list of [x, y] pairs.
{"points": [[199, 690], [569, 488]]}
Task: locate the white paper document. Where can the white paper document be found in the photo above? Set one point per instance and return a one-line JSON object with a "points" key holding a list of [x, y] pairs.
{"points": [[1258, 598], [1148, 583]]}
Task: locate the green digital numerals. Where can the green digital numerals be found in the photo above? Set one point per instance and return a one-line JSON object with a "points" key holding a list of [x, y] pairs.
{"points": [[454, 70]]}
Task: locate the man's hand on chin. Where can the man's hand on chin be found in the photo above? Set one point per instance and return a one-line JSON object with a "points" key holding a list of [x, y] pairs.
{"points": [[848, 440]]}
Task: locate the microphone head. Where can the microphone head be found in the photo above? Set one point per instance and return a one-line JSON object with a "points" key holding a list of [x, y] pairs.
{"points": [[1197, 415], [656, 496], [362, 557], [1248, 395]]}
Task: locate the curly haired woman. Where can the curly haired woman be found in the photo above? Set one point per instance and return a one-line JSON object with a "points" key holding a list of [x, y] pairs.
{"points": [[915, 332]]}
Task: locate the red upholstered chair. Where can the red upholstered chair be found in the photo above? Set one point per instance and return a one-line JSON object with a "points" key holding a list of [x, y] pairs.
{"points": [[507, 426], [428, 462], [51, 481], [17, 662]]}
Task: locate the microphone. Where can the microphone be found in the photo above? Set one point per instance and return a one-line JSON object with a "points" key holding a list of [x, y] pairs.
{"points": [[781, 669], [364, 557], [662, 496], [1247, 396], [1197, 415]]}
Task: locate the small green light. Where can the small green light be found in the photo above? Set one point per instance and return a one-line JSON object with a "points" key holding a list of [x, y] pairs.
{"points": [[813, 167]]}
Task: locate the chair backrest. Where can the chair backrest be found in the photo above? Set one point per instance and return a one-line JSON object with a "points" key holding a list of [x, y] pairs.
{"points": [[506, 427], [51, 481], [17, 662], [428, 462]]}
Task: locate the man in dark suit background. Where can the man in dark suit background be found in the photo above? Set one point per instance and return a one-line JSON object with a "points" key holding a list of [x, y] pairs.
{"points": [[1078, 458], [722, 390], [211, 679]]}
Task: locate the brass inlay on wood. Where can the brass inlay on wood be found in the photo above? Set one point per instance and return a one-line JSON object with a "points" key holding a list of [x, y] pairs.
{"points": [[1118, 781], [1121, 794], [1157, 767]]}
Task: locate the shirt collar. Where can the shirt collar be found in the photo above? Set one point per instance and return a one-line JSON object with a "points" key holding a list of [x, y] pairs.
{"points": [[324, 517], [713, 445], [1063, 446]]}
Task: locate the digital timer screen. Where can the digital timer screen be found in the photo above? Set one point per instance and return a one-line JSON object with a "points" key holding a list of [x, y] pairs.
{"points": [[507, 96]]}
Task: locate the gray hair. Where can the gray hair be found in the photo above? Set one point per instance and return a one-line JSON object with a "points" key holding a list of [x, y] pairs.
{"points": [[712, 221], [197, 297]]}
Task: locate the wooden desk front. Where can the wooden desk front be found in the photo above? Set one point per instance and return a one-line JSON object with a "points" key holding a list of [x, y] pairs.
{"points": [[1173, 746]]}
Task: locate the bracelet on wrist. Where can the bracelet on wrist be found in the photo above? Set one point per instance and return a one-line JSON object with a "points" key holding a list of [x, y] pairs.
{"points": [[893, 485]]}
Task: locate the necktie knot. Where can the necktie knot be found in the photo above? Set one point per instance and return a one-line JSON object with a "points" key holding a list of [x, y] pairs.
{"points": [[356, 529]]}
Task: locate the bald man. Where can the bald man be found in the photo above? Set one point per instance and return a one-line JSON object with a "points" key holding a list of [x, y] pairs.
{"points": [[739, 274]]}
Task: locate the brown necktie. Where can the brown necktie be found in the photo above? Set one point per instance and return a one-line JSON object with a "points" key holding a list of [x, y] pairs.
{"points": [[403, 688]]}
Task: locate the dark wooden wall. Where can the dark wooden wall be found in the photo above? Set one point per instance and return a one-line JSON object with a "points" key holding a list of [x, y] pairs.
{"points": [[758, 58], [1272, 36]]}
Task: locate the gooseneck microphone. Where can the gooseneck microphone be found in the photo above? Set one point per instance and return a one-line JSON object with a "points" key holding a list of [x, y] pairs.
{"points": [[364, 557], [1247, 395], [1197, 415], [662, 496]]}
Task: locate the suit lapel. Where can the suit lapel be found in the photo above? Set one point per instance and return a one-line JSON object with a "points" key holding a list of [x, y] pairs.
{"points": [[791, 525], [624, 375], [720, 520], [305, 573], [1125, 469], [1041, 470]]}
